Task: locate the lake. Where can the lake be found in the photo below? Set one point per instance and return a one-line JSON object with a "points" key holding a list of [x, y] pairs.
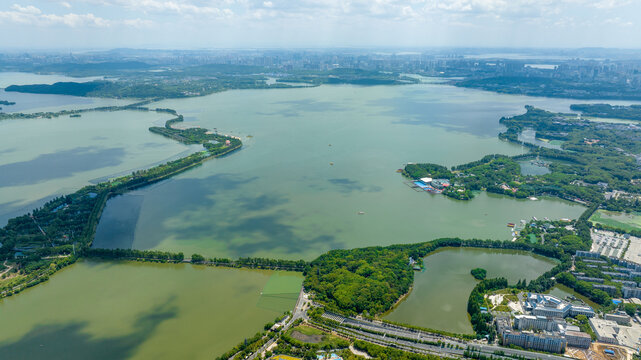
{"points": [[313, 159], [439, 297], [124, 310], [42, 158]]}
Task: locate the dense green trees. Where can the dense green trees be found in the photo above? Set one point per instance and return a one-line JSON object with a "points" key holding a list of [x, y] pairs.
{"points": [[370, 280], [552, 87], [478, 273], [216, 145], [360, 280], [133, 254], [69, 222], [594, 158], [385, 353], [62, 88], [417, 171], [481, 319], [584, 288], [632, 112]]}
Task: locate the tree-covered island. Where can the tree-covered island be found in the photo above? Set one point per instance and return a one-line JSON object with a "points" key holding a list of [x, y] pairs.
{"points": [[585, 161]]}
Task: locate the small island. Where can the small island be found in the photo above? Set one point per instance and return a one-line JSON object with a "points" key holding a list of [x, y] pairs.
{"points": [[478, 273]]}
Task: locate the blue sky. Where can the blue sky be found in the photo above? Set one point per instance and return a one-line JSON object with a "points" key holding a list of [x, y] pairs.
{"points": [[189, 24]]}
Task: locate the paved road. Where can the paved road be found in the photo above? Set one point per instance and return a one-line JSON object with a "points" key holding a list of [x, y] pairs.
{"points": [[399, 331], [387, 335], [287, 322]]}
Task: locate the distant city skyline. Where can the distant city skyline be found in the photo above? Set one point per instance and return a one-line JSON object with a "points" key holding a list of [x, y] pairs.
{"points": [[193, 24]]}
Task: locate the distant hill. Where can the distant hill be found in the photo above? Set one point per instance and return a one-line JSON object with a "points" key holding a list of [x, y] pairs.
{"points": [[213, 69], [93, 68], [60, 88]]}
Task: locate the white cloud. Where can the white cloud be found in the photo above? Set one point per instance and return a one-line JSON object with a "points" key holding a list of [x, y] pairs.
{"points": [[138, 23], [30, 9], [268, 4], [33, 16], [183, 7], [73, 20], [611, 4], [66, 4], [618, 21]]}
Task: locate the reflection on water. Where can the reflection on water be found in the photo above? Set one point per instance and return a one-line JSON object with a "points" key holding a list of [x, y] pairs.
{"points": [[439, 297], [318, 158], [120, 310]]}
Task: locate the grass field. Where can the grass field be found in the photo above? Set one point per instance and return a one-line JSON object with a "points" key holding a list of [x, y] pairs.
{"points": [[618, 220], [312, 335]]}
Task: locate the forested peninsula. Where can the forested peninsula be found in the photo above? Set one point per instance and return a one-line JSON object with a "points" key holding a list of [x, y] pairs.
{"points": [[62, 230]]}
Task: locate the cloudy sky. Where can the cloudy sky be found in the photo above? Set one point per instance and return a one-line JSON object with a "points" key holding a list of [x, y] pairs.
{"points": [[186, 24]]}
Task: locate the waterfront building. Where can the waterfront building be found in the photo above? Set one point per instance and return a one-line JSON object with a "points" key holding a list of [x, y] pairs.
{"points": [[589, 279], [440, 183], [550, 306]]}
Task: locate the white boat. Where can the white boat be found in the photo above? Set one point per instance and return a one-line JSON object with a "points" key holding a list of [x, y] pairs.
{"points": [[533, 198]]}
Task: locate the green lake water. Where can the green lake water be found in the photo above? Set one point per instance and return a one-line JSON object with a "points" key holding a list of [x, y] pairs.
{"points": [[439, 297], [315, 159], [280, 196], [41, 158], [123, 310]]}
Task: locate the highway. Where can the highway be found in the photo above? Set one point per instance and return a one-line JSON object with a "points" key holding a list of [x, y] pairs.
{"points": [[368, 329], [400, 337]]}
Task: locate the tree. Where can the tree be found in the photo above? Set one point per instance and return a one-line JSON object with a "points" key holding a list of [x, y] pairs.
{"points": [[478, 273], [197, 258]]}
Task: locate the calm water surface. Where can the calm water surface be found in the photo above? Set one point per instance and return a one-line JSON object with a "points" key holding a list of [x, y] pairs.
{"points": [[108, 310], [42, 158], [29, 103], [439, 297], [314, 158]]}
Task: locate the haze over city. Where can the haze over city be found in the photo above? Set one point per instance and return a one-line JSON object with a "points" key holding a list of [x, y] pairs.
{"points": [[188, 24]]}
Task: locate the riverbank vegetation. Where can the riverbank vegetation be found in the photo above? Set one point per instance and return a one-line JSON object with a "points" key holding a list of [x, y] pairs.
{"points": [[481, 319], [64, 227], [551, 87], [216, 144], [369, 280], [631, 112], [208, 79], [54, 114], [6, 103]]}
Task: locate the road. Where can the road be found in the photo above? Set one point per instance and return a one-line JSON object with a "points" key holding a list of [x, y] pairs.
{"points": [[400, 337], [9, 267], [286, 323], [366, 327]]}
